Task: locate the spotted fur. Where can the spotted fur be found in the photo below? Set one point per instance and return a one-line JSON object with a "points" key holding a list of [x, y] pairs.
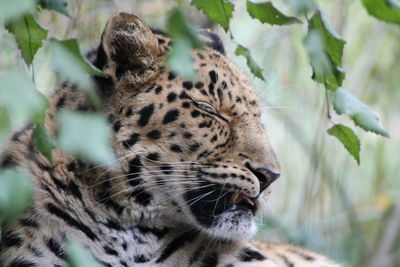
{"points": [[194, 166]]}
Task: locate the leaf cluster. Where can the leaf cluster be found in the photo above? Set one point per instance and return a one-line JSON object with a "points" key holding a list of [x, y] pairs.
{"points": [[325, 50], [85, 135]]}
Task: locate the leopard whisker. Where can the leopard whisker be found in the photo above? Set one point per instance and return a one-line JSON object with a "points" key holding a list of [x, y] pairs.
{"points": [[126, 190], [134, 173]]}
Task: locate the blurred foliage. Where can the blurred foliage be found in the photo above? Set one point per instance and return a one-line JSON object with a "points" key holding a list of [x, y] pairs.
{"points": [[267, 13], [251, 63], [185, 40], [387, 10], [77, 256], [324, 201], [15, 193], [85, 135]]}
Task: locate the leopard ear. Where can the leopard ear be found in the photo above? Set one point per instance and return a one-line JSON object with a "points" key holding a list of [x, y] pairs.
{"points": [[128, 48]]}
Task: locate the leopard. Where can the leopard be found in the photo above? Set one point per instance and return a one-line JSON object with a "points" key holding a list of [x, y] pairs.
{"points": [[193, 165]]}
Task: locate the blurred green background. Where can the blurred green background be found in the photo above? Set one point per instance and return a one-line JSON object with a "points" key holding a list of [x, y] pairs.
{"points": [[323, 200]]}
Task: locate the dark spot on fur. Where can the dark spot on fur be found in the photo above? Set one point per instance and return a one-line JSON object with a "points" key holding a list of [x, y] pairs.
{"points": [[140, 259], [194, 147], [213, 76], [171, 76], [155, 134], [158, 90], [171, 116], [199, 85], [195, 113], [135, 137], [177, 243], [145, 115], [110, 251], [176, 148], [210, 260], [117, 126], [153, 156], [55, 247], [171, 97], [10, 239], [187, 85], [211, 89], [248, 254], [187, 135]]}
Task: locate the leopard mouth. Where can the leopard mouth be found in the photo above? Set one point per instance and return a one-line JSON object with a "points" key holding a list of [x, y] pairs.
{"points": [[243, 202], [208, 205]]}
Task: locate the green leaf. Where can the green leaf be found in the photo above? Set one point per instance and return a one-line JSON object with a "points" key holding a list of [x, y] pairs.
{"points": [[180, 58], [28, 34], [71, 49], [185, 40], [302, 6], [21, 101], [43, 141], [267, 13], [219, 11], [385, 10], [86, 135], [78, 256], [319, 59], [13, 9], [348, 138], [253, 66], [332, 45], [69, 62], [5, 126], [15, 193], [346, 103], [56, 5]]}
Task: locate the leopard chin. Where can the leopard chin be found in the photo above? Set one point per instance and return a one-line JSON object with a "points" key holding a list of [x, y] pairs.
{"points": [[223, 214]]}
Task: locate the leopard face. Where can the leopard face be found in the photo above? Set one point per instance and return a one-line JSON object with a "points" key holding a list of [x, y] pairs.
{"points": [[196, 146]]}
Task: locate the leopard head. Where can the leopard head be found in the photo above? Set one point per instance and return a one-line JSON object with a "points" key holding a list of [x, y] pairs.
{"points": [[197, 145]]}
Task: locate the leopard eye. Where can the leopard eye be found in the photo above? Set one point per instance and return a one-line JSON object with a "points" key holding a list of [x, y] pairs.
{"points": [[206, 107]]}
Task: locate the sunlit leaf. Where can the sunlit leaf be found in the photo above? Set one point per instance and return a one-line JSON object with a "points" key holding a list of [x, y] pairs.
{"points": [[219, 11], [267, 13], [348, 138], [28, 34], [386, 10], [253, 66], [184, 41], [346, 103], [12, 9], [333, 43], [15, 193], [86, 135], [319, 59], [43, 141], [302, 6], [20, 100], [56, 5], [69, 62], [78, 256], [331, 52]]}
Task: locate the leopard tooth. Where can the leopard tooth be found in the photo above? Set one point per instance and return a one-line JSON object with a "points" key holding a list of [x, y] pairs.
{"points": [[234, 198]]}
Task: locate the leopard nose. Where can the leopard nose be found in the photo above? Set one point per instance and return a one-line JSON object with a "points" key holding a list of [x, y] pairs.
{"points": [[264, 175]]}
